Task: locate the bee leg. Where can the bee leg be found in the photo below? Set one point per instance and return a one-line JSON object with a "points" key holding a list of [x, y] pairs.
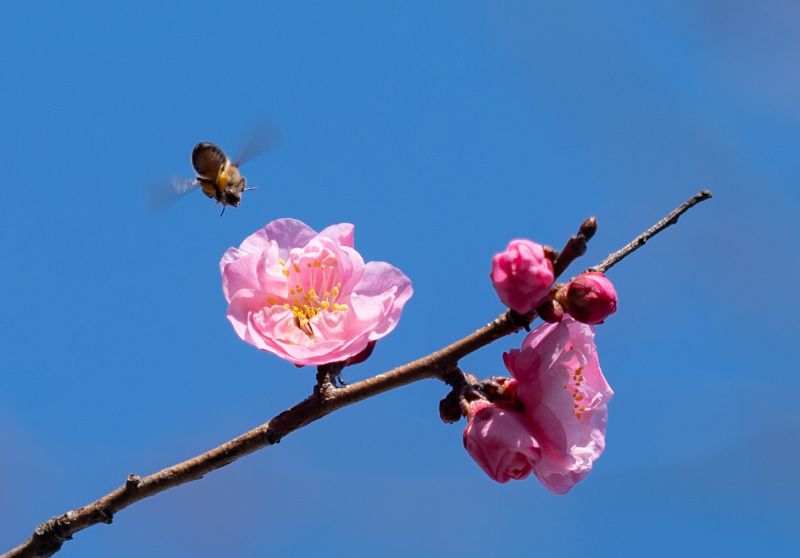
{"points": [[208, 188], [223, 209]]}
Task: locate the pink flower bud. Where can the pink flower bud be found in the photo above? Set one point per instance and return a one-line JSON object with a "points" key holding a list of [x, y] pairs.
{"points": [[500, 440], [522, 275], [591, 298]]}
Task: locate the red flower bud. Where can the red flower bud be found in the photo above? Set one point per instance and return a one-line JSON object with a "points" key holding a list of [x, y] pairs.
{"points": [[591, 298]]}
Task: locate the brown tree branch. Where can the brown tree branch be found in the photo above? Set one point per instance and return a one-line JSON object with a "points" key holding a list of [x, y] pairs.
{"points": [[615, 257], [48, 537]]}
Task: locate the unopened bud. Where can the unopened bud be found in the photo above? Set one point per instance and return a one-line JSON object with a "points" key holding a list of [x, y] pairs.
{"points": [[450, 408], [522, 275], [589, 227], [591, 297]]}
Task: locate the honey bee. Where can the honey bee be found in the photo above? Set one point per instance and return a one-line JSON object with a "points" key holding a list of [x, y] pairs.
{"points": [[218, 176]]}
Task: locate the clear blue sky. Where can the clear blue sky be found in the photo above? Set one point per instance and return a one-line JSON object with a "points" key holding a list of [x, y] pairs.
{"points": [[441, 130]]}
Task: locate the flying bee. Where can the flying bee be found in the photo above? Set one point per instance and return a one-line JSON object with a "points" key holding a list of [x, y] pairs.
{"points": [[218, 177]]}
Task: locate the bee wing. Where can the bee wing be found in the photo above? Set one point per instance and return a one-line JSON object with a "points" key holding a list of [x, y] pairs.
{"points": [[261, 139], [162, 194]]}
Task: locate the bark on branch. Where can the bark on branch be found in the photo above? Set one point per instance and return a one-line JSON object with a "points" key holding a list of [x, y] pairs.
{"points": [[48, 537]]}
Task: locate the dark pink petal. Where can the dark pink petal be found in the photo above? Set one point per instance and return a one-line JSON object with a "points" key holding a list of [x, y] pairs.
{"points": [[500, 441], [522, 275]]}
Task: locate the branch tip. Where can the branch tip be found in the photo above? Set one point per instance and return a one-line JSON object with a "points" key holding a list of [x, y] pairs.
{"points": [[615, 257]]}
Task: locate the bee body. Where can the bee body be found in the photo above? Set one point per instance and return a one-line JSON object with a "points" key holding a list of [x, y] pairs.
{"points": [[218, 177]]}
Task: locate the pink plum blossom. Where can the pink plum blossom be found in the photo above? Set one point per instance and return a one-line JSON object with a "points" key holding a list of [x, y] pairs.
{"points": [[591, 297], [565, 396], [309, 297], [500, 440], [522, 275]]}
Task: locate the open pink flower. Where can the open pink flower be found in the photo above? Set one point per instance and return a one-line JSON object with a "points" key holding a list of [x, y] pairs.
{"points": [[309, 297], [522, 275], [500, 440], [565, 396]]}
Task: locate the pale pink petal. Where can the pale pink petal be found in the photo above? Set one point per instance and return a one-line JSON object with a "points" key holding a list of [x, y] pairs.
{"points": [[243, 304], [343, 234], [288, 233], [389, 290], [241, 273], [230, 255]]}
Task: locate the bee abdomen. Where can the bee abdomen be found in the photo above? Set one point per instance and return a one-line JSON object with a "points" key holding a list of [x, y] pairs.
{"points": [[208, 160]]}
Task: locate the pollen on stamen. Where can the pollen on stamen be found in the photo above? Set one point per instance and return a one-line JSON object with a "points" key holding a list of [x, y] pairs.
{"points": [[296, 268]]}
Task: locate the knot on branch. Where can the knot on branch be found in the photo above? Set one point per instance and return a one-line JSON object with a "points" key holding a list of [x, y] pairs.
{"points": [[329, 378], [104, 516], [468, 389], [50, 535], [273, 436], [133, 482]]}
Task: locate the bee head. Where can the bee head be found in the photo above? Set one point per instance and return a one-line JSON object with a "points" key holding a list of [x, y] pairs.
{"points": [[233, 198]]}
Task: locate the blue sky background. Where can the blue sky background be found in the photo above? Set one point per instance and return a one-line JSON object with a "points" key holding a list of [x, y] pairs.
{"points": [[442, 130]]}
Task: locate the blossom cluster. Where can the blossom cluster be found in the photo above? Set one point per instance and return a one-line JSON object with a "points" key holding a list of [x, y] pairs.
{"points": [[554, 423], [310, 299]]}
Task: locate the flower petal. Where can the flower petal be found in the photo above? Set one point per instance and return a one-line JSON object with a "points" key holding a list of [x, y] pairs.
{"points": [[343, 234], [288, 233], [383, 291]]}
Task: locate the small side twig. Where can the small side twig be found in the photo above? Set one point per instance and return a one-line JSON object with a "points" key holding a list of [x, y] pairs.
{"points": [[575, 246], [616, 257], [48, 538]]}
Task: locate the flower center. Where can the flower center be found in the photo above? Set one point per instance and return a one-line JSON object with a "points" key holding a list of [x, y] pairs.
{"points": [[579, 398], [314, 288]]}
